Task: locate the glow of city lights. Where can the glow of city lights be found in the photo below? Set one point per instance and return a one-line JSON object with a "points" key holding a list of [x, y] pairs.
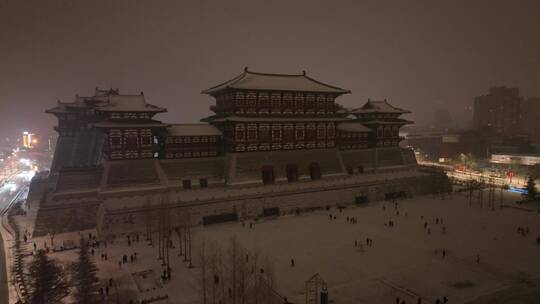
{"points": [[518, 190], [8, 186], [27, 175], [25, 162]]}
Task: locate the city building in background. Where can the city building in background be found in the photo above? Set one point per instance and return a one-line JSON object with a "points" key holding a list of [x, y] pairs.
{"points": [[530, 123], [29, 140], [500, 110], [518, 159], [448, 146], [33, 141], [508, 114]]}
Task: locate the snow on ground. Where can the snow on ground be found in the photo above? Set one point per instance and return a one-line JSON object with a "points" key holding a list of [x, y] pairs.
{"points": [[402, 261], [402, 257]]}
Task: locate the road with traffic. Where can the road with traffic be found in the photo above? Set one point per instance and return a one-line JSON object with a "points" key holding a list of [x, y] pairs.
{"points": [[12, 191]]}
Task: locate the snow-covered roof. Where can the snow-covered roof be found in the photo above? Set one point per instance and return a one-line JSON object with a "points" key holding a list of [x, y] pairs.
{"points": [[129, 103], [56, 109], [353, 127], [387, 121], [276, 82], [116, 124], [60, 107], [273, 119], [200, 129], [373, 106]]}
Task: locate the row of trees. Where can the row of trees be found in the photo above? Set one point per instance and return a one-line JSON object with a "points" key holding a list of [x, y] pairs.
{"points": [[49, 282], [235, 275], [164, 222]]}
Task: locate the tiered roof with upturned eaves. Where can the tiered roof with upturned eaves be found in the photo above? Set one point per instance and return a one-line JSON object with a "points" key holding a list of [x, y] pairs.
{"points": [[249, 80]]}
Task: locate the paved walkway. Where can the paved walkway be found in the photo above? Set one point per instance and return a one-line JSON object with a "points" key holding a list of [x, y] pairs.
{"points": [[4, 294]]}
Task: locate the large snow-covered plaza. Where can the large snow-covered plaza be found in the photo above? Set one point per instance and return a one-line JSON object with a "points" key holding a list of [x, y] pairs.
{"points": [[485, 258], [405, 260]]}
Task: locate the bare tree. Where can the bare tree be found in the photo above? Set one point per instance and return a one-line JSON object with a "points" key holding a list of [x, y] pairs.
{"points": [[238, 277], [203, 262], [215, 270], [190, 236], [178, 227], [148, 220], [233, 262]]}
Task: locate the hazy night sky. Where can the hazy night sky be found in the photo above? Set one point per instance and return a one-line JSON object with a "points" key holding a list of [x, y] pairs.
{"points": [[419, 54]]}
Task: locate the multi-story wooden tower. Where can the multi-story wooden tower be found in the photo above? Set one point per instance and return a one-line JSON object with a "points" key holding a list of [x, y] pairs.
{"points": [[264, 112], [130, 132], [106, 126], [383, 119]]}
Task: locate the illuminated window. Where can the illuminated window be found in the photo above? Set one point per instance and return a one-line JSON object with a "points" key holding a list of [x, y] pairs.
{"points": [[264, 132], [288, 133], [263, 102], [275, 99], [311, 132], [252, 132], [321, 131], [239, 99], [299, 101], [276, 133], [300, 132], [240, 132]]}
